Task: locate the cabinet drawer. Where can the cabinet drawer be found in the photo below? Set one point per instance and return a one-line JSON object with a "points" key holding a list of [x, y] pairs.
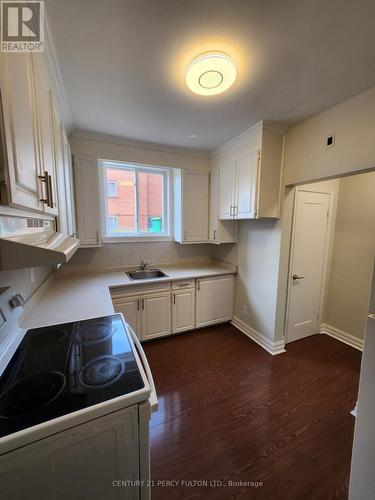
{"points": [[183, 284]]}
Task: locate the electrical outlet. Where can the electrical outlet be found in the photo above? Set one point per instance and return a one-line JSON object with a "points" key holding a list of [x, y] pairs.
{"points": [[244, 308]]}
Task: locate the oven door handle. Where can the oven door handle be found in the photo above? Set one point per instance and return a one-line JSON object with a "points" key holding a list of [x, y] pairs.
{"points": [[146, 366]]}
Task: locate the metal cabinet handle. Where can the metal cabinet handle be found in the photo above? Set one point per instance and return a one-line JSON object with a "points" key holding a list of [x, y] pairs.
{"points": [[198, 285], [44, 179], [174, 298], [296, 277], [137, 304], [214, 234], [50, 192], [231, 211], [143, 303]]}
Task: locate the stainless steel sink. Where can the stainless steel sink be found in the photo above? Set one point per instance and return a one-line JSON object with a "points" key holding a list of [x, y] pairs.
{"points": [[146, 274]]}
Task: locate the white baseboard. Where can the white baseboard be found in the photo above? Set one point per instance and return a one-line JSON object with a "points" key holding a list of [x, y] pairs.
{"points": [[271, 347], [342, 336]]}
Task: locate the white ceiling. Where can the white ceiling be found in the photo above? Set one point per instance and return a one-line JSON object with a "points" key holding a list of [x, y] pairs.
{"points": [[123, 63]]}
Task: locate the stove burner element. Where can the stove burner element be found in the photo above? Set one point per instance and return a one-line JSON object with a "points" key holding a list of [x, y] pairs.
{"points": [[95, 331], [30, 394], [102, 371], [46, 338]]}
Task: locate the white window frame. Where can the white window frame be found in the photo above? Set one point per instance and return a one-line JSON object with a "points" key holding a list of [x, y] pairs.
{"points": [[108, 237]]}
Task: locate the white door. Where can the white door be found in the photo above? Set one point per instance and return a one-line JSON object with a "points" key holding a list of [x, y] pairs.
{"points": [[214, 206], [227, 190], [214, 300], [156, 315], [307, 263], [246, 186], [45, 134], [20, 130], [195, 205], [131, 309], [183, 310]]}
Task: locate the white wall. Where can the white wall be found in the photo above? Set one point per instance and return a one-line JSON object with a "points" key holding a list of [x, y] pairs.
{"points": [[113, 255], [117, 255], [113, 148], [25, 281], [353, 255]]}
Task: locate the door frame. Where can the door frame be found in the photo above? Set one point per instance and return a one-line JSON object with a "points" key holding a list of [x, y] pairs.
{"points": [[327, 251]]}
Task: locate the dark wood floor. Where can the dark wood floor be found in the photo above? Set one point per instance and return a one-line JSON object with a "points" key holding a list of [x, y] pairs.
{"points": [[229, 411]]}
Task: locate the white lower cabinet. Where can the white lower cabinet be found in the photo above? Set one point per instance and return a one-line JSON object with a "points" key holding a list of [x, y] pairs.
{"points": [[156, 315], [131, 309], [148, 314], [108, 450], [183, 310], [214, 300], [179, 307]]}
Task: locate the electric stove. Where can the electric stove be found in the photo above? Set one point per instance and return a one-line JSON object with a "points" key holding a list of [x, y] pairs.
{"points": [[57, 370]]}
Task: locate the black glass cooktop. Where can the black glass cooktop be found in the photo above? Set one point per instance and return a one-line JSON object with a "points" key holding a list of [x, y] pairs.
{"points": [[60, 369]]}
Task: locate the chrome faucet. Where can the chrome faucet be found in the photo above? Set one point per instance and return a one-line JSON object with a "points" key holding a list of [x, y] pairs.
{"points": [[143, 265]]}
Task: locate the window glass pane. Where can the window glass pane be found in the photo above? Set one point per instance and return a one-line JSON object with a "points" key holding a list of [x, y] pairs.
{"points": [[150, 202], [123, 206], [111, 189]]}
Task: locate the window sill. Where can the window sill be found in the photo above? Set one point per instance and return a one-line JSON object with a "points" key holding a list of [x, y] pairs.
{"points": [[135, 239]]}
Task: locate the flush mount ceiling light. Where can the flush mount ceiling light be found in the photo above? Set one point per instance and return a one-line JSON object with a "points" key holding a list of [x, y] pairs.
{"points": [[211, 73]]}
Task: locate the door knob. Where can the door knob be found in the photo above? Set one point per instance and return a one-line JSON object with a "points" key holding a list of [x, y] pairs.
{"points": [[296, 277]]}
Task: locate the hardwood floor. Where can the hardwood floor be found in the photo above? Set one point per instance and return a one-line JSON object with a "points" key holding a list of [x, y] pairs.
{"points": [[229, 411]]}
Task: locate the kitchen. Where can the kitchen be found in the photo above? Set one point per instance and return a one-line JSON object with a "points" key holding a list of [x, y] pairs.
{"points": [[138, 259]]}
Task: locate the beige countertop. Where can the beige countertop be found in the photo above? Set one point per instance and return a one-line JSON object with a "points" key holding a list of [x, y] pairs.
{"points": [[81, 295]]}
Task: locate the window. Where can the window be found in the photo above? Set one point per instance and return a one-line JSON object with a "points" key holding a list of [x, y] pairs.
{"points": [[135, 200], [112, 189]]}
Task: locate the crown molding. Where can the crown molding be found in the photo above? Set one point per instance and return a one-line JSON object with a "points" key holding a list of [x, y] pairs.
{"points": [[54, 71], [135, 143], [271, 126]]}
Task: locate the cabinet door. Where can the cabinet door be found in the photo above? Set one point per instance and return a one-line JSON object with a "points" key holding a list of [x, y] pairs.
{"points": [[156, 315], [183, 310], [79, 463], [214, 300], [45, 135], [19, 131], [131, 309], [246, 186], [214, 207], [195, 206], [60, 172], [88, 204], [227, 190], [69, 185]]}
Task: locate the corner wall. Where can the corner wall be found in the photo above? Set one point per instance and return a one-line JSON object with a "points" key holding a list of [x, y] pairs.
{"points": [[352, 256]]}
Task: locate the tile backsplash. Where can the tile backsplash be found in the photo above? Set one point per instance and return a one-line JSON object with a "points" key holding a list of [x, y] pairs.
{"points": [[130, 254]]}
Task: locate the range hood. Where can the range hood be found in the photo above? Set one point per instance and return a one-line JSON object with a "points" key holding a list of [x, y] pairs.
{"points": [[32, 242]]}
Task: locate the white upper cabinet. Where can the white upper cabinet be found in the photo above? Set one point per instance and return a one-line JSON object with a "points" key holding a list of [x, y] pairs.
{"points": [[86, 180], [43, 99], [69, 185], [220, 231], [20, 183], [191, 195], [245, 203], [250, 173]]}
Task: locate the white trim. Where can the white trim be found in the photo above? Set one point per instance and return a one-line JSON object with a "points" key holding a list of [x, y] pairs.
{"points": [[271, 347], [259, 126], [344, 337], [123, 141], [135, 239]]}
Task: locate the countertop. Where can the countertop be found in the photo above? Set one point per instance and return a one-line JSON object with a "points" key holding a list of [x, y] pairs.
{"points": [[81, 295]]}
